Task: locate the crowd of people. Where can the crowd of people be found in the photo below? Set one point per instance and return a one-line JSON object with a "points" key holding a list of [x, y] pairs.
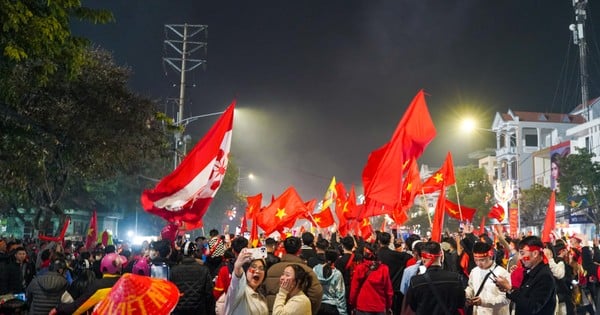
{"points": [[465, 273]]}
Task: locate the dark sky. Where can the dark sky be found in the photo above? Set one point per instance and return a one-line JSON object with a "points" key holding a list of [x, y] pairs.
{"points": [[323, 83]]}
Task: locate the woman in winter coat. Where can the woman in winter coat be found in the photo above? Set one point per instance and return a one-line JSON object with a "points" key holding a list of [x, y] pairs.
{"points": [[332, 281]]}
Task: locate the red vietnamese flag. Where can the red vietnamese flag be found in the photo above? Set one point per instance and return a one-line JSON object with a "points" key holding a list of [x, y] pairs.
{"points": [[310, 205], [550, 223], [254, 203], [61, 236], [92, 232], [438, 217], [281, 212], [244, 223], [352, 210], [497, 212], [461, 213], [253, 208], [323, 219], [185, 194], [444, 177], [382, 175], [365, 228], [341, 205], [411, 187]]}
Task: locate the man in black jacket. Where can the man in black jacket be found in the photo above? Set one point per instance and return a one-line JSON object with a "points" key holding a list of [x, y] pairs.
{"points": [[44, 292], [396, 262], [194, 282], [537, 293], [436, 289]]}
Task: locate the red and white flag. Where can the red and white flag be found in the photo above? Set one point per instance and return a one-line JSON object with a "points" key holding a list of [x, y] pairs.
{"points": [[185, 194]]}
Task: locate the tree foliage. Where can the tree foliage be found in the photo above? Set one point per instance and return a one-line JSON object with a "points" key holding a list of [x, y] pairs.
{"points": [[534, 203], [474, 191], [61, 139], [39, 33], [579, 177]]}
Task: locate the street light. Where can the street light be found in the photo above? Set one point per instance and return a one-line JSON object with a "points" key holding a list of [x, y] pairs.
{"points": [[249, 177]]}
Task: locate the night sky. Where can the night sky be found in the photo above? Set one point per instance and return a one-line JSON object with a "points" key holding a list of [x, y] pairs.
{"points": [[321, 84]]}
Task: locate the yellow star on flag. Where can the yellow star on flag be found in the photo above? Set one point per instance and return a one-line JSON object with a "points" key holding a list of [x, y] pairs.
{"points": [[280, 213], [345, 209], [453, 211], [438, 177], [409, 187], [317, 220], [365, 222], [90, 231]]}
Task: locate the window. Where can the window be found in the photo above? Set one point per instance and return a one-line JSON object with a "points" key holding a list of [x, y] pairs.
{"points": [[531, 141]]}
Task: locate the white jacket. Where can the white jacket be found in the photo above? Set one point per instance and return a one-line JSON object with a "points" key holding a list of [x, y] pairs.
{"points": [[493, 302]]}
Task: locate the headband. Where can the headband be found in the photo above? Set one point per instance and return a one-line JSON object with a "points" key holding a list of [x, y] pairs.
{"points": [[431, 258], [489, 253], [537, 248]]}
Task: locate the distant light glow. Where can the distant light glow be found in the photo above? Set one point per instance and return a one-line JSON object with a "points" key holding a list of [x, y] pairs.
{"points": [[468, 125]]}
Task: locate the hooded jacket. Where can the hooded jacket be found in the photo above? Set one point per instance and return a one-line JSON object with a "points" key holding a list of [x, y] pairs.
{"points": [[44, 292], [333, 288]]}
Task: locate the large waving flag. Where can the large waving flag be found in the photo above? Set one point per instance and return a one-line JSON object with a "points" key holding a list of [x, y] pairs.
{"points": [[282, 212], [550, 223], [444, 177], [185, 194], [382, 175], [460, 212]]}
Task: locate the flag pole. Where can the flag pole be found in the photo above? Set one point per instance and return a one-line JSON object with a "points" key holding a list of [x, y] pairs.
{"points": [[424, 201], [458, 202]]}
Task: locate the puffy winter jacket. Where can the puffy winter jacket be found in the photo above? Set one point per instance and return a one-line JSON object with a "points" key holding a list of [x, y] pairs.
{"points": [[44, 292], [194, 282]]}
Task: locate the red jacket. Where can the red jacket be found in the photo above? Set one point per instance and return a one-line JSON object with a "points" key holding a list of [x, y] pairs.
{"points": [[376, 292]]}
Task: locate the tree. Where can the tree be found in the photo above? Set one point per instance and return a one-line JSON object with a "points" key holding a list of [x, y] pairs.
{"points": [[534, 203], [579, 177], [60, 137], [474, 190], [39, 33]]}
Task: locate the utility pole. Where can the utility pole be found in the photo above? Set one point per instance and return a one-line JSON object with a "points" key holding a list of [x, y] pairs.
{"points": [[579, 39], [185, 44]]}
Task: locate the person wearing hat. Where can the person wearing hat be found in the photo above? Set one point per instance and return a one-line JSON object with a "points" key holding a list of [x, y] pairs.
{"points": [[45, 291], [194, 282], [111, 267], [537, 293], [436, 289], [481, 292]]}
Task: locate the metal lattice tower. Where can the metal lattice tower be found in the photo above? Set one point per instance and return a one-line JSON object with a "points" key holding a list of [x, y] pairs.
{"points": [[184, 42]]}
